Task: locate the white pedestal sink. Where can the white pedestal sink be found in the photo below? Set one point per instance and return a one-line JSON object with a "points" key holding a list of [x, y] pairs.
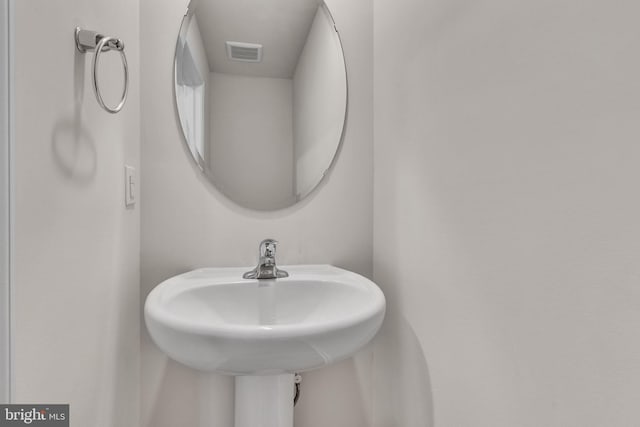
{"points": [[262, 331]]}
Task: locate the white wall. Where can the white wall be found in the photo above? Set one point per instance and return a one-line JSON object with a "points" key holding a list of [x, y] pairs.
{"points": [[186, 223], [76, 264], [251, 146], [319, 98], [506, 212]]}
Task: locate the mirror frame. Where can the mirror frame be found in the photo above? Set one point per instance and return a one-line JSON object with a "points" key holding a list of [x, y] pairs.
{"points": [[204, 169]]}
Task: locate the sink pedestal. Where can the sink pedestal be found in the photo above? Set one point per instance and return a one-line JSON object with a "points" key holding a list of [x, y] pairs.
{"points": [[264, 401]]}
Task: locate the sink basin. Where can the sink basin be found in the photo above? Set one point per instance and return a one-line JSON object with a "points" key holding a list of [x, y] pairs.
{"points": [[213, 320]]}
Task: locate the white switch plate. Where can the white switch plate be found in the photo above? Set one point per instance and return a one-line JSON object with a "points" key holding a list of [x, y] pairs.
{"points": [[130, 190]]}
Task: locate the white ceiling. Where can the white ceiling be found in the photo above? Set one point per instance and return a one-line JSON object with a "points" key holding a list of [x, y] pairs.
{"points": [[280, 26]]}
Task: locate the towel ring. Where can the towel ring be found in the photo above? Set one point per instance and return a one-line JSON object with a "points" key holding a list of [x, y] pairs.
{"points": [[92, 41]]}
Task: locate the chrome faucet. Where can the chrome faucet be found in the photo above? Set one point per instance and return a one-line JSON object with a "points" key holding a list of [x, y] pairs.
{"points": [[266, 268]]}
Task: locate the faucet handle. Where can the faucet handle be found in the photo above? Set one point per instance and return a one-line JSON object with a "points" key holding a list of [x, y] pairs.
{"points": [[268, 248]]}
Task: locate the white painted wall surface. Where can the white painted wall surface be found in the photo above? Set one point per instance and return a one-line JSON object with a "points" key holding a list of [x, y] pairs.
{"points": [[76, 277], [319, 103], [186, 223], [251, 146], [506, 213]]}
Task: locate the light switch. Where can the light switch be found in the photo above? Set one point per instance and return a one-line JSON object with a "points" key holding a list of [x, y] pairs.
{"points": [[129, 186]]}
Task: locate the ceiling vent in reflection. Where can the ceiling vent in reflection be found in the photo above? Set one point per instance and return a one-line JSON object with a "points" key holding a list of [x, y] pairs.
{"points": [[245, 52]]}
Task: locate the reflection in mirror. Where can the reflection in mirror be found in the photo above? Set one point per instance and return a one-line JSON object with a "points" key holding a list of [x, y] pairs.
{"points": [[261, 92]]}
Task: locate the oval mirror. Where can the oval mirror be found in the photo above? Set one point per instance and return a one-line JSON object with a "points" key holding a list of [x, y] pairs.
{"points": [[261, 91]]}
